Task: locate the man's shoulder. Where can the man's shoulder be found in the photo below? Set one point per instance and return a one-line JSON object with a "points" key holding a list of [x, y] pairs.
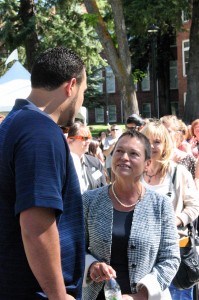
{"points": [[31, 120]]}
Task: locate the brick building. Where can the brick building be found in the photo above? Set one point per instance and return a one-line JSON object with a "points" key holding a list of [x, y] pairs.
{"points": [[183, 57], [171, 95]]}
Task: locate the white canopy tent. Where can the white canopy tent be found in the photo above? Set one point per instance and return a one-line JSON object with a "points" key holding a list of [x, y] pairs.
{"points": [[15, 83]]}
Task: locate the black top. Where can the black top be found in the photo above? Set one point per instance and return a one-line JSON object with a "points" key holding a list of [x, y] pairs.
{"points": [[120, 236], [119, 261]]}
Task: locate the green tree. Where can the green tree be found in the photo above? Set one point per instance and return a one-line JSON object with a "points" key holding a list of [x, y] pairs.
{"points": [[115, 46], [166, 14], [126, 44], [39, 25], [45, 24]]}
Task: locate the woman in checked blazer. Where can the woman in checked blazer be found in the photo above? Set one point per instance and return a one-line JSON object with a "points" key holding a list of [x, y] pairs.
{"points": [[130, 231]]}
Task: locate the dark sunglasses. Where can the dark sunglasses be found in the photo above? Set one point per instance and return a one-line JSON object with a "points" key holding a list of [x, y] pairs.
{"points": [[114, 129], [133, 128]]}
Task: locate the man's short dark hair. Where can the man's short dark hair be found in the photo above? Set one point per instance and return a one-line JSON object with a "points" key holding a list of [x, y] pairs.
{"points": [[137, 120], [54, 67]]}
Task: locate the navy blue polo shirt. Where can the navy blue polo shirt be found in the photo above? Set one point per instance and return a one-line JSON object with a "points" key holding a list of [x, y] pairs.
{"points": [[36, 170]]}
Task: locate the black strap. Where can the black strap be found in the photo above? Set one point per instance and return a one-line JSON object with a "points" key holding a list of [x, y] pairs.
{"points": [[174, 175]]}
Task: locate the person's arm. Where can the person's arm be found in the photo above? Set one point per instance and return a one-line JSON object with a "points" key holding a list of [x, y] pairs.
{"points": [[109, 146], [109, 150], [167, 261], [100, 156], [42, 247], [186, 196]]}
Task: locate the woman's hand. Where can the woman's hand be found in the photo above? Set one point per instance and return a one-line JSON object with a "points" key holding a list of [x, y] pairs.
{"points": [[193, 142], [178, 222], [142, 294], [100, 271]]}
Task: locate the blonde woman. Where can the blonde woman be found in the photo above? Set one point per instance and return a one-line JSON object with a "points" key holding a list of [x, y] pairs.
{"points": [[174, 180], [182, 152], [194, 141]]}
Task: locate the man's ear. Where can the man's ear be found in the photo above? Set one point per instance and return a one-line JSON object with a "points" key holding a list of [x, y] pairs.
{"points": [[70, 85]]}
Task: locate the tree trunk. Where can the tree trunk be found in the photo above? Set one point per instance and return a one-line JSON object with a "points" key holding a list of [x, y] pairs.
{"points": [[191, 111], [119, 59], [31, 40]]}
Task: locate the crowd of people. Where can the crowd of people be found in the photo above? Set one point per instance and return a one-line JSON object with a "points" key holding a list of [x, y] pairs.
{"points": [[77, 211]]}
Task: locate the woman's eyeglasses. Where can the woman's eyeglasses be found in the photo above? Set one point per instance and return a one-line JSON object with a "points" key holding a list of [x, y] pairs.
{"points": [[79, 137]]}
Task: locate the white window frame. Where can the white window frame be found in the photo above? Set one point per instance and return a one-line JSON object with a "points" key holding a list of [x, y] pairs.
{"points": [[184, 49], [99, 114], [145, 84], [110, 80], [185, 18]]}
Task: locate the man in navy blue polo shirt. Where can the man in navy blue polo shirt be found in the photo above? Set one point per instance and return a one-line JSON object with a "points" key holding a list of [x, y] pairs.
{"points": [[41, 218]]}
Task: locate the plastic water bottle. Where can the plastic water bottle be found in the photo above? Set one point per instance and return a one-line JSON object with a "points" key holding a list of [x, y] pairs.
{"points": [[112, 290]]}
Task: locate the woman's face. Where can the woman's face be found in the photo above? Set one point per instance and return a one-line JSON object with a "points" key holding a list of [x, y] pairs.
{"points": [[103, 135], [196, 131], [157, 147], [128, 158]]}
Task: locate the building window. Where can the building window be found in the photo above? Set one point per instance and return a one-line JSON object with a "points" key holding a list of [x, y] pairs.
{"points": [[174, 108], [173, 75], [185, 17], [145, 84], [146, 110], [112, 113], [99, 114], [185, 56], [110, 80]]}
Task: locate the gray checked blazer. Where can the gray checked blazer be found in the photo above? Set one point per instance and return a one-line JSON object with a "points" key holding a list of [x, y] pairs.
{"points": [[153, 251]]}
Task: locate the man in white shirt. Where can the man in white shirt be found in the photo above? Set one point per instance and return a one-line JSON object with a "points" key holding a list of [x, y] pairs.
{"points": [[89, 168]]}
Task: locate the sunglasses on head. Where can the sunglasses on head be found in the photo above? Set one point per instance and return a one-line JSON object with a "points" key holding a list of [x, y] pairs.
{"points": [[133, 127], [79, 137]]}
